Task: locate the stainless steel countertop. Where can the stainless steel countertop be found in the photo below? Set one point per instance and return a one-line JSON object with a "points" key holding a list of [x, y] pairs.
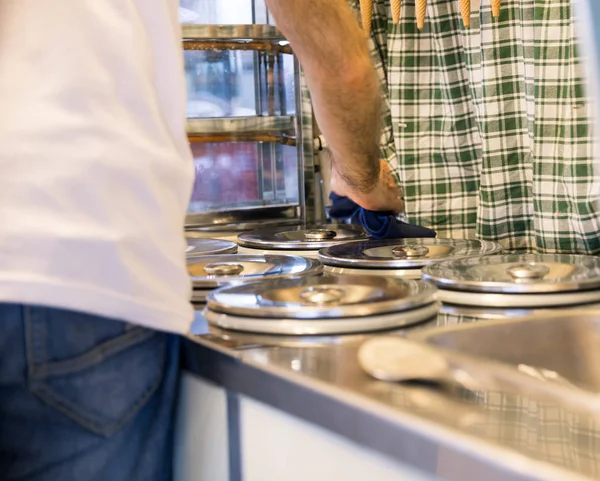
{"points": [[455, 435]]}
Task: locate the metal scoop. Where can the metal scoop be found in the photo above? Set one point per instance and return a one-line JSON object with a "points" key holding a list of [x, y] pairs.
{"points": [[400, 360], [395, 359]]}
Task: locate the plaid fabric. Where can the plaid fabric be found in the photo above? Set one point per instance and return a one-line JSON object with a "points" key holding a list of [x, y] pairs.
{"points": [[491, 124], [488, 128], [538, 429], [543, 431]]}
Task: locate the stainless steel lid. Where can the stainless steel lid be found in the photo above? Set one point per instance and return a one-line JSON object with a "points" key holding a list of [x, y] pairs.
{"points": [[208, 247], [517, 274], [404, 253], [322, 297], [320, 327], [312, 237], [234, 269]]}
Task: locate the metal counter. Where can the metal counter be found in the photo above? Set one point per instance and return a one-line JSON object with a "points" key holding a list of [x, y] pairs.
{"points": [[486, 435]]}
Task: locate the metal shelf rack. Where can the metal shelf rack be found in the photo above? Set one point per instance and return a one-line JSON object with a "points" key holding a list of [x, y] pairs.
{"points": [[269, 127]]}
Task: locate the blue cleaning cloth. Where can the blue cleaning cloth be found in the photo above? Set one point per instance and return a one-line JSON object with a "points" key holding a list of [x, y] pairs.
{"points": [[379, 225]]}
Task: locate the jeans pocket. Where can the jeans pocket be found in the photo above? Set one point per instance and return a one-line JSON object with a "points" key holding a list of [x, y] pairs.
{"points": [[97, 372]]}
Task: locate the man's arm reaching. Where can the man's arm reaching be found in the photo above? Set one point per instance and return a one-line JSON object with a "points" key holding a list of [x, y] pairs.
{"points": [[332, 49]]}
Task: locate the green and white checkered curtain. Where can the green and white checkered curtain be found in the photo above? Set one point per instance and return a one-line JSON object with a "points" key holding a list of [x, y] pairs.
{"points": [[488, 128]]}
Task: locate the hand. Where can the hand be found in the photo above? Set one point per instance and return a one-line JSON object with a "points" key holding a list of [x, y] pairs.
{"points": [[384, 197]]}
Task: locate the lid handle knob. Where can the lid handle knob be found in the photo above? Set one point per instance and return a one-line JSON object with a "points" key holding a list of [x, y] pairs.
{"points": [[528, 272], [410, 252], [322, 295], [223, 269], [319, 234]]}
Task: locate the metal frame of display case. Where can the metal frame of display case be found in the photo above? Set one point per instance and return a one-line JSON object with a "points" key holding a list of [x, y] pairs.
{"points": [[268, 130]]}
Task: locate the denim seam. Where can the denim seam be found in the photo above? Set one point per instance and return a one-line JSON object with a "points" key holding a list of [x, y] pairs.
{"points": [[104, 350], [28, 343], [88, 420], [44, 337], [36, 342]]}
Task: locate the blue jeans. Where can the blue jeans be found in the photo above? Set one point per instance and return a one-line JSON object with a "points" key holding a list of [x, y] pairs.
{"points": [[84, 398]]}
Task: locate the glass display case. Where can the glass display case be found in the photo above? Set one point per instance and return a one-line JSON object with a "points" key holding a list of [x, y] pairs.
{"points": [[253, 152]]}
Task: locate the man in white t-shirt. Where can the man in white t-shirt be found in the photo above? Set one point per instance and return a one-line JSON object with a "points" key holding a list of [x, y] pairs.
{"points": [[95, 180]]}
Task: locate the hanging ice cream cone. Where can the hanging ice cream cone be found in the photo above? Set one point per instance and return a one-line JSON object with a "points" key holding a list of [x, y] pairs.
{"points": [[421, 6], [366, 13], [465, 11], [496, 8], [396, 8]]}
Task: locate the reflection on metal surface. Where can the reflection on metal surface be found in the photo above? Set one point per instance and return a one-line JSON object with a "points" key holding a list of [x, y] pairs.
{"points": [[394, 359], [410, 252], [235, 269], [566, 343], [529, 271], [309, 237], [541, 430], [536, 429], [323, 326], [518, 280], [404, 253], [414, 274], [242, 219], [206, 247], [356, 296], [472, 314], [223, 269], [245, 339], [550, 273], [320, 234], [322, 295], [523, 301]]}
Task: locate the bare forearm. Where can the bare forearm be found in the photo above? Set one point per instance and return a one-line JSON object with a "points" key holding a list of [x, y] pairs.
{"points": [[344, 87]]}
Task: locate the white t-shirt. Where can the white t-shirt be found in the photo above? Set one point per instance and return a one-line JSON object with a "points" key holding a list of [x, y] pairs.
{"points": [[95, 168]]}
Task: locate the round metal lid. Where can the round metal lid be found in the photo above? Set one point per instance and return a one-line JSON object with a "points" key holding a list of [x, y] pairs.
{"points": [[319, 327], [234, 269], [209, 247], [322, 297], [363, 271], [404, 253], [312, 237], [517, 274]]}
